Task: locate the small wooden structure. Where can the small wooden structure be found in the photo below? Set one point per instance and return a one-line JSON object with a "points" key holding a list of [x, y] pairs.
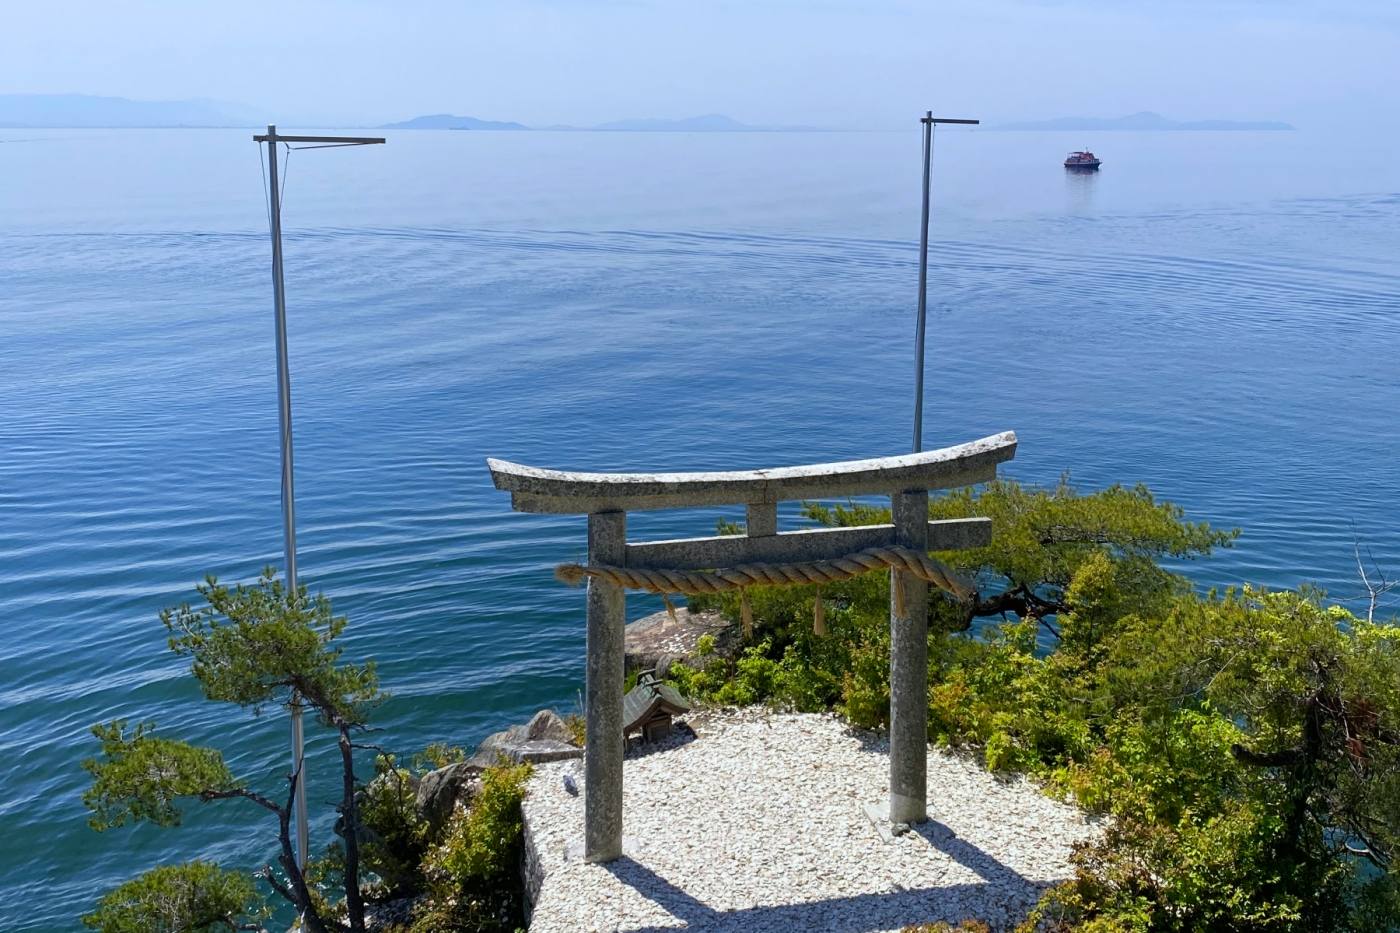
{"points": [[607, 497], [648, 708]]}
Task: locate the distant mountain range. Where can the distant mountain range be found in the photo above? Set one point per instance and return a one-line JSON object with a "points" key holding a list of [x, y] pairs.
{"points": [[709, 123], [90, 111], [447, 121], [1144, 120], [86, 110]]}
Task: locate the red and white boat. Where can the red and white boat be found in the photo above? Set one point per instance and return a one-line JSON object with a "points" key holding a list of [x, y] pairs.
{"points": [[1083, 159]]}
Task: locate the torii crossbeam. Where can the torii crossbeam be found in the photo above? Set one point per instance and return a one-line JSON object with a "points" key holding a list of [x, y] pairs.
{"points": [[606, 498]]}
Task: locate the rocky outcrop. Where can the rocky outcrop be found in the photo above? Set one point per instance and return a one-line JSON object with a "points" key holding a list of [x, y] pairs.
{"points": [[440, 791], [547, 726], [544, 738], [657, 641]]}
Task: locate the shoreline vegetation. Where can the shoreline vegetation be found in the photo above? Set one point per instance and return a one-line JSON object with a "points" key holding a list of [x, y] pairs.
{"points": [[1244, 746]]}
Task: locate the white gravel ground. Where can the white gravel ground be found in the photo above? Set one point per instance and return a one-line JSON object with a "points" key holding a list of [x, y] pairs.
{"points": [[756, 824]]}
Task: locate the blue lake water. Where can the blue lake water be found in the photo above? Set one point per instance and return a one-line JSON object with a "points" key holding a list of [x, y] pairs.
{"points": [[1213, 314]]}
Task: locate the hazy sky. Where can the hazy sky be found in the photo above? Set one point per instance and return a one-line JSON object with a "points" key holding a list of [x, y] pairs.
{"points": [[849, 64]]}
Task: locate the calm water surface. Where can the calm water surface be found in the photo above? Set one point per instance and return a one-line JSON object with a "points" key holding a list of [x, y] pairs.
{"points": [[1215, 315]]}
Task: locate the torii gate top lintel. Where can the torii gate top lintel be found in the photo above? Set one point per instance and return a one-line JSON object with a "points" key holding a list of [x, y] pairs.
{"points": [[534, 489]]}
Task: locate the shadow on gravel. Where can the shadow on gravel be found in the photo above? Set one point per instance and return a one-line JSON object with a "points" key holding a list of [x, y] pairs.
{"points": [[1004, 897], [969, 856], [681, 734]]}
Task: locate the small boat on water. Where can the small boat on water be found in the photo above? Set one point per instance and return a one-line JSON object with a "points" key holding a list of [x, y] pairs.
{"points": [[1083, 160]]}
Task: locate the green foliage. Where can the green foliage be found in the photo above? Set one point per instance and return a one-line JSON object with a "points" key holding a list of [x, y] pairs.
{"points": [[190, 898], [757, 677], [791, 667], [1241, 744], [471, 873], [254, 645], [578, 729], [1246, 746], [248, 645], [438, 755], [865, 686], [396, 835], [1044, 536], [1084, 560], [141, 777], [1209, 873], [483, 844]]}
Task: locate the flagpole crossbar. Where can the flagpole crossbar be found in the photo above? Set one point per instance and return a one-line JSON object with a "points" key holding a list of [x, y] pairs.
{"points": [[932, 119], [338, 140]]}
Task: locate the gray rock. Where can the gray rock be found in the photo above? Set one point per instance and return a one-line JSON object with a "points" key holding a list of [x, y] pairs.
{"points": [[499, 743], [544, 738], [515, 745], [546, 724], [440, 791], [655, 642], [546, 750]]}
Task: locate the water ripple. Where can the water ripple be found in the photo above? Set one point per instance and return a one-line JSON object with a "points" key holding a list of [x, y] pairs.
{"points": [[1207, 352]]}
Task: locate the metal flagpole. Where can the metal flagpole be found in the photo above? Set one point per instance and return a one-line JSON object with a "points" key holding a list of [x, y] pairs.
{"points": [[928, 120], [284, 417]]}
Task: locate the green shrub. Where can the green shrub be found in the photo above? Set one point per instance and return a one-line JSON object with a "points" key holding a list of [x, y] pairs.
{"points": [[472, 874], [865, 686], [438, 755], [193, 897], [578, 728], [398, 837]]}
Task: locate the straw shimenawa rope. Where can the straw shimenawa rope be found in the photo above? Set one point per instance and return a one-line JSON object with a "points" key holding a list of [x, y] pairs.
{"points": [[700, 583]]}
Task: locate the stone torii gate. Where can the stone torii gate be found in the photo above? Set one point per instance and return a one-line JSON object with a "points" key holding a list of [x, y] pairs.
{"points": [[760, 556]]}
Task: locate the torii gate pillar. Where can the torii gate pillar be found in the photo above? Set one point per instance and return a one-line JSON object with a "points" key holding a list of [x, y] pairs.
{"points": [[909, 667], [604, 743]]}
